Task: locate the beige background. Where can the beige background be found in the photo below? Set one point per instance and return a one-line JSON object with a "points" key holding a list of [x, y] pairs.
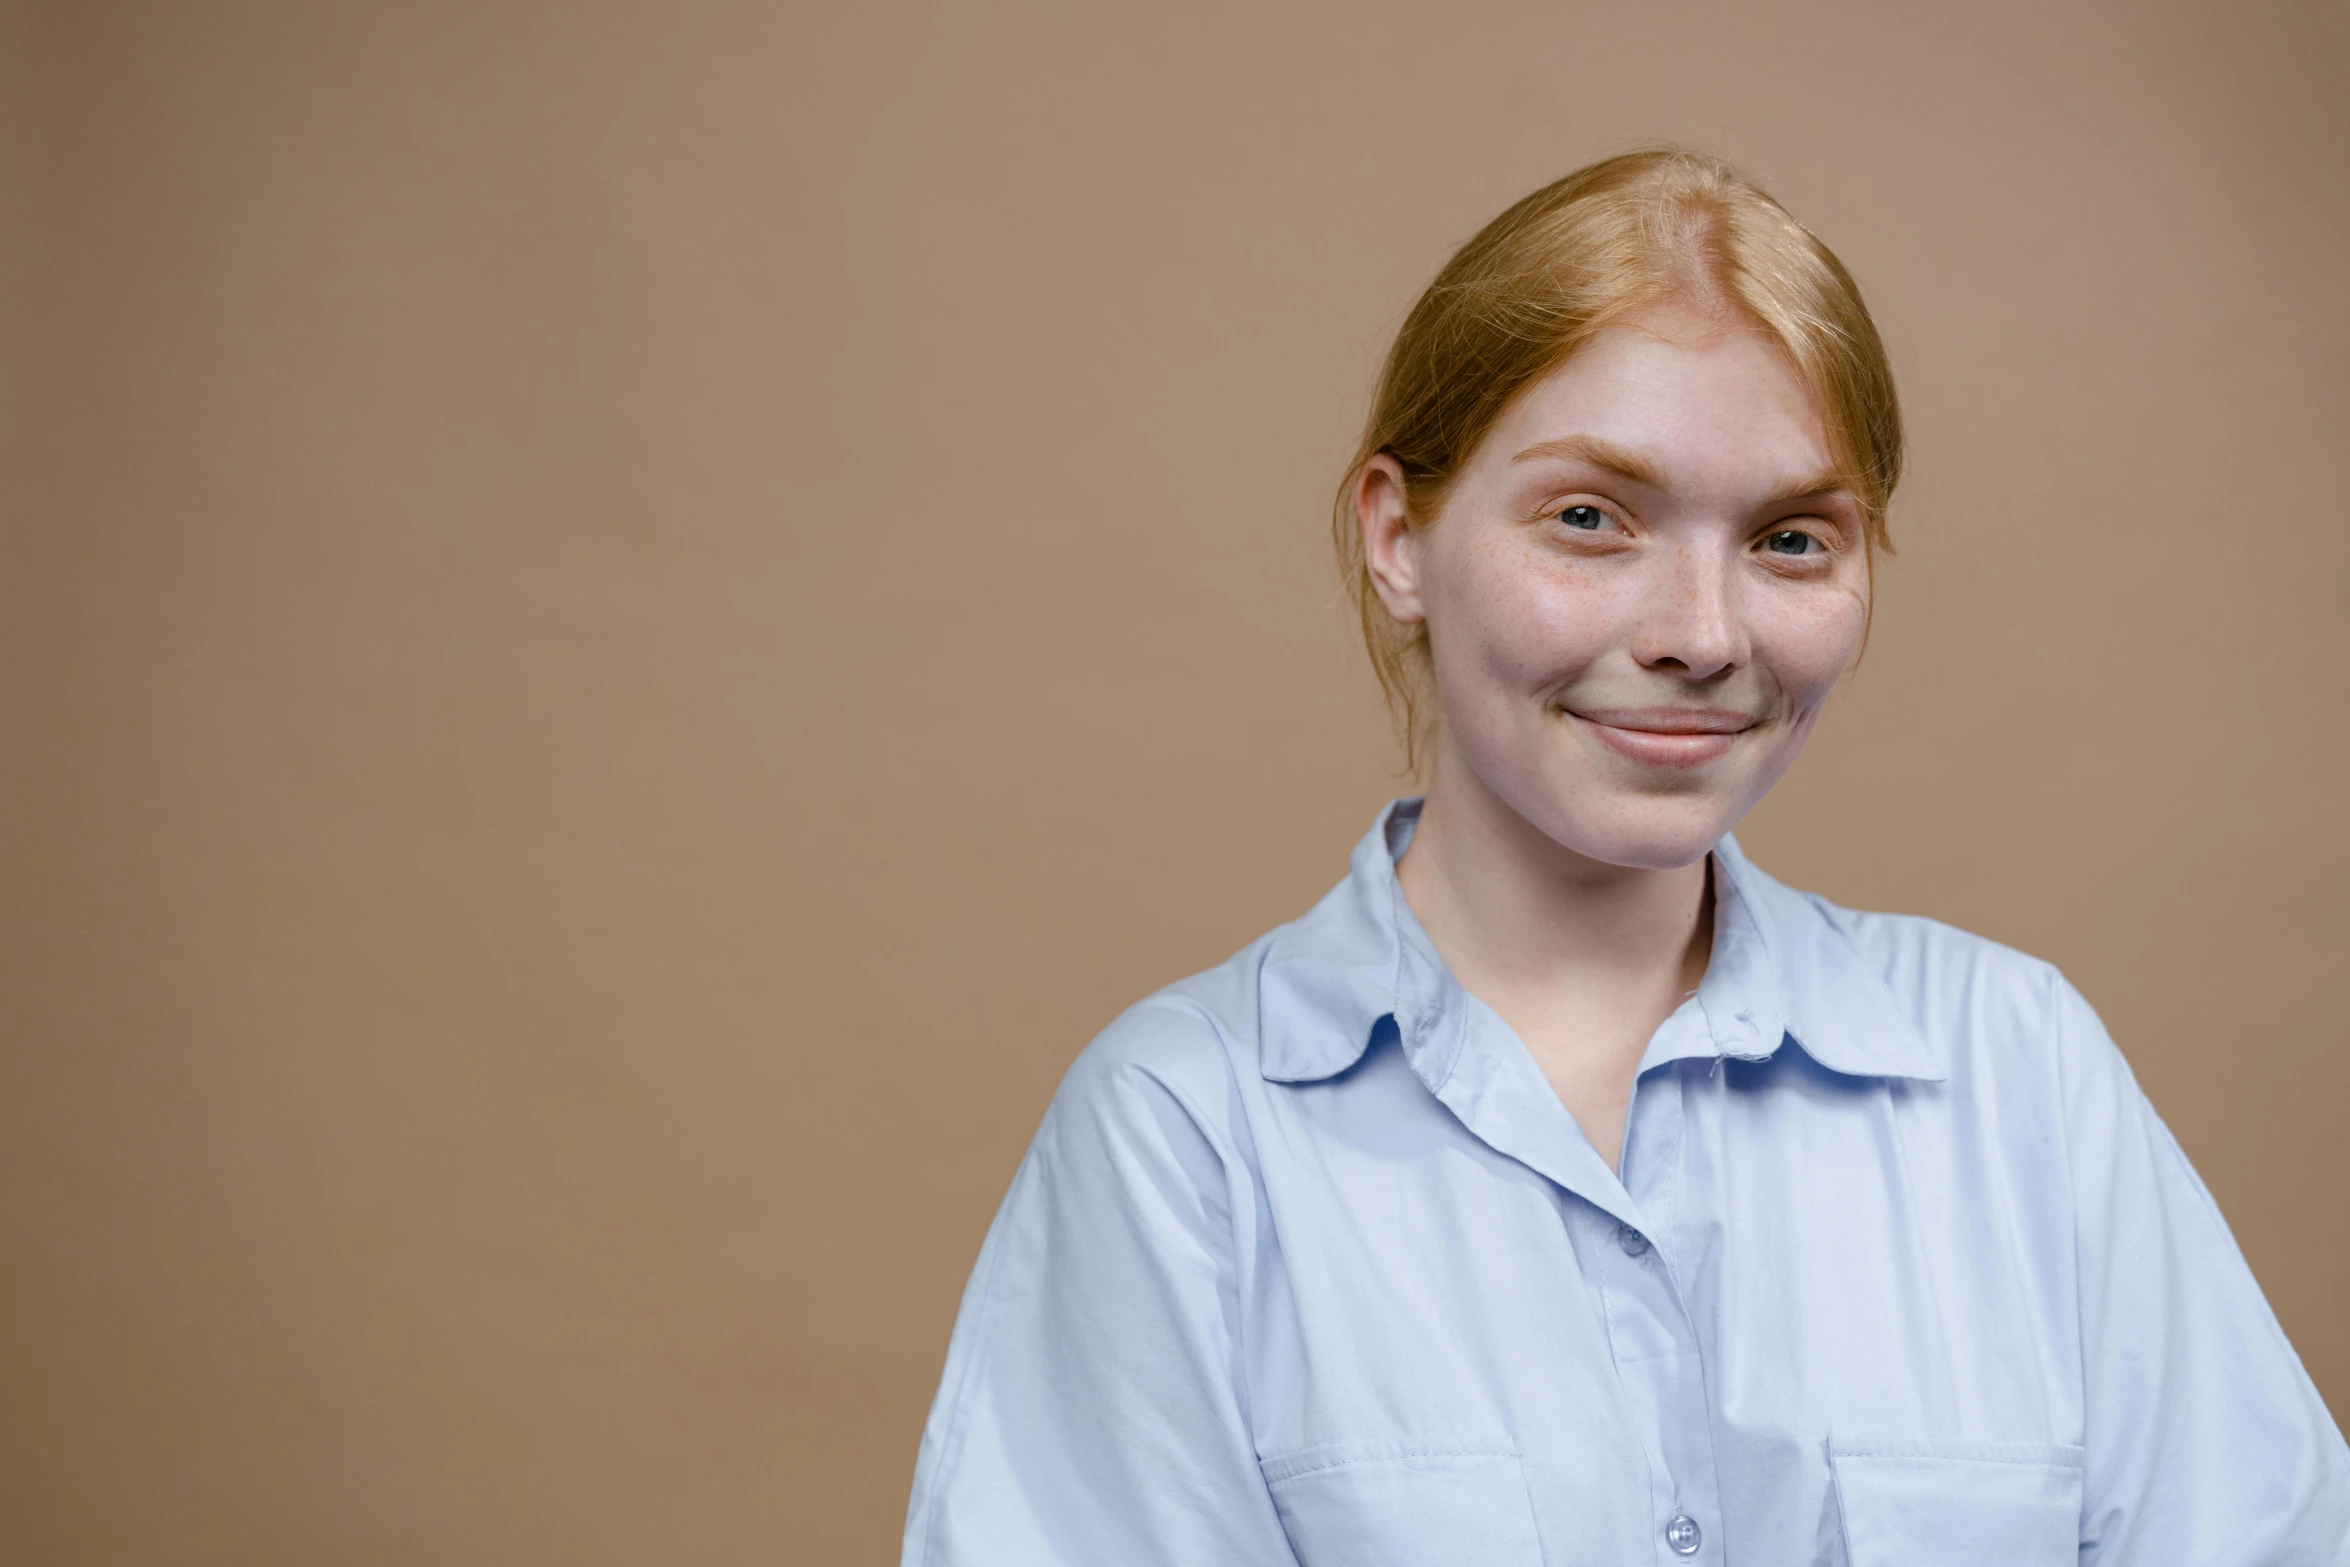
{"points": [[626, 624]]}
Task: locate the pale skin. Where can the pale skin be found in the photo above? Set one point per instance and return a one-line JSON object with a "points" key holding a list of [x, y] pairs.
{"points": [[1640, 590]]}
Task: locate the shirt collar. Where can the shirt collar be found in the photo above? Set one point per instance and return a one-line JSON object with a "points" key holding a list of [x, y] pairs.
{"points": [[1780, 969], [1332, 977]]}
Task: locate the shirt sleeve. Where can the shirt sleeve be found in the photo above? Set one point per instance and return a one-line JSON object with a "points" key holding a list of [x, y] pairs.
{"points": [[2206, 1441], [1091, 1410]]}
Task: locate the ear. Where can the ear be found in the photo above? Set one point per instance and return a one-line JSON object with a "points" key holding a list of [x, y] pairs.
{"points": [[1391, 545]]}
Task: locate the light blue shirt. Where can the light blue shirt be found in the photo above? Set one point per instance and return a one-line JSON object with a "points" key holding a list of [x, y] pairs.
{"points": [[1308, 1264]]}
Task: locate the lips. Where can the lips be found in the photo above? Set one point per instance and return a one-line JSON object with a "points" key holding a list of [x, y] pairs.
{"points": [[1677, 737]]}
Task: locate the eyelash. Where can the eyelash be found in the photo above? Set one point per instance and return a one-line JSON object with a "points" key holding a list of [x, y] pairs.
{"points": [[1793, 533], [1822, 546]]}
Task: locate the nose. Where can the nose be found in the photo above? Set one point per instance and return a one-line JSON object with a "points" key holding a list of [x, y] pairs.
{"points": [[1688, 623]]}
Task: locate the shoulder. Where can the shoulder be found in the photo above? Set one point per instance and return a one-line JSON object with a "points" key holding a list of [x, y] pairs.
{"points": [[1994, 1015], [1973, 988], [1940, 972], [1170, 1066]]}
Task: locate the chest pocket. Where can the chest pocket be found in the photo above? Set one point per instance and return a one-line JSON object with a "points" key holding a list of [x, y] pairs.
{"points": [[1958, 1504], [1392, 1505]]}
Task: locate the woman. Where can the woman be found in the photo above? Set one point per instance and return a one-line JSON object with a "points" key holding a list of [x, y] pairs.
{"points": [[1561, 1188]]}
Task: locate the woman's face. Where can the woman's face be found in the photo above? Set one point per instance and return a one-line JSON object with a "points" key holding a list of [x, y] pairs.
{"points": [[1639, 591]]}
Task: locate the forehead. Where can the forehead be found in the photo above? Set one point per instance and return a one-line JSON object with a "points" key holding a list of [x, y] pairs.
{"points": [[1704, 400]]}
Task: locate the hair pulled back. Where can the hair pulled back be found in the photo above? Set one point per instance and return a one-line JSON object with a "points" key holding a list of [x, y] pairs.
{"points": [[1605, 243]]}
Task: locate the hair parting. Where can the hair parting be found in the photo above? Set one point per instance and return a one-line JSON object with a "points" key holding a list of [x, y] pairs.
{"points": [[1603, 244]]}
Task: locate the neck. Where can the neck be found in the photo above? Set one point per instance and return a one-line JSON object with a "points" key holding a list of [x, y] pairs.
{"points": [[1518, 915]]}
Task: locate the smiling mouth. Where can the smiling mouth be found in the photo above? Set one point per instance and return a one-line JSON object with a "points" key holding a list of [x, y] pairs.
{"points": [[1676, 737]]}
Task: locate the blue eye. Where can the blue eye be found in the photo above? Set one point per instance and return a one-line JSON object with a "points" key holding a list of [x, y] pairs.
{"points": [[1790, 541], [1587, 518]]}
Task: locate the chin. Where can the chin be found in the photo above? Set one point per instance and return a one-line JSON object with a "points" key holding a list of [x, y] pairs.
{"points": [[1639, 834]]}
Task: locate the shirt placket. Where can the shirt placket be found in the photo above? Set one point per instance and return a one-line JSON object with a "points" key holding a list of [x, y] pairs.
{"points": [[1651, 1332]]}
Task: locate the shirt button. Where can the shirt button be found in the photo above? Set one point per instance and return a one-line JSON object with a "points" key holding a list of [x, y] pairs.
{"points": [[1635, 1244], [1683, 1535]]}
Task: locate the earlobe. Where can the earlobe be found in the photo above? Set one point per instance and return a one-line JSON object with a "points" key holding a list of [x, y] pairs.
{"points": [[1390, 542]]}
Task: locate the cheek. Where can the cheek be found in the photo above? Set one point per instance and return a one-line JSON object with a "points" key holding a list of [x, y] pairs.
{"points": [[1812, 640], [1508, 625]]}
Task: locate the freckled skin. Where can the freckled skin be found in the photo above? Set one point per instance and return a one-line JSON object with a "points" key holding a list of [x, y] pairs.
{"points": [[1558, 591], [1639, 591]]}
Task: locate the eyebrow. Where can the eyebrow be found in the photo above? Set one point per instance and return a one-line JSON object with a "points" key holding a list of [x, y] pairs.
{"points": [[1630, 464], [1599, 454], [1826, 482]]}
